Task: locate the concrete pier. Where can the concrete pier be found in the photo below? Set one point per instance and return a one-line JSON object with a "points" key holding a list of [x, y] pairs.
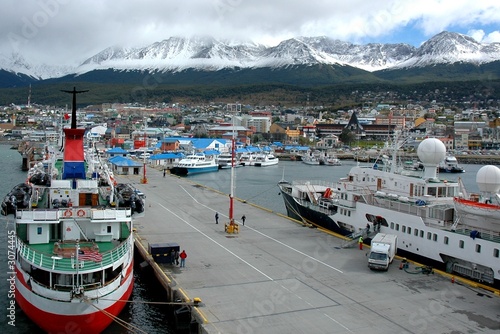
{"points": [[277, 276]]}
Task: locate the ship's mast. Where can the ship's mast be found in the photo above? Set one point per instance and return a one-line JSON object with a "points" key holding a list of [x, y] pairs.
{"points": [[73, 108], [233, 108]]}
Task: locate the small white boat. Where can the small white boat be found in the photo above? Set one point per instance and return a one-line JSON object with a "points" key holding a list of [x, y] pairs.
{"points": [[226, 160], [196, 163], [247, 159], [311, 160], [332, 161], [450, 165], [265, 159]]}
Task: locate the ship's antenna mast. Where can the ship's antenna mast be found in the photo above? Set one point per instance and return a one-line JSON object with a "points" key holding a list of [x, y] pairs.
{"points": [[73, 108]]}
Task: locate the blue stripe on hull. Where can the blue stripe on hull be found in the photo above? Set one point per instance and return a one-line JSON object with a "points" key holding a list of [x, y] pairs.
{"points": [[191, 171]]}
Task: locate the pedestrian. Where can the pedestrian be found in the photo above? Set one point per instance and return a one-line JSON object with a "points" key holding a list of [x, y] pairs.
{"points": [[243, 219], [360, 242], [368, 228], [172, 256], [183, 257], [177, 257], [164, 172], [217, 218]]}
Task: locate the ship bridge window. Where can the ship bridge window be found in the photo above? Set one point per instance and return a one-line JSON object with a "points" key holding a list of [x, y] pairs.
{"points": [[434, 237], [392, 226], [478, 248], [496, 252], [403, 229], [431, 191], [429, 234], [416, 232], [409, 230], [397, 227], [446, 240], [461, 244], [421, 234], [442, 192]]}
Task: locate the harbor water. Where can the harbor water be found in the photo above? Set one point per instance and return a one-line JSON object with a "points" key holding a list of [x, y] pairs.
{"points": [[257, 185]]}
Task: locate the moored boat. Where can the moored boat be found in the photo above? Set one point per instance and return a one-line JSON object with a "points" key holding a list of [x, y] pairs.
{"points": [[248, 158], [73, 244], [449, 164], [312, 159], [265, 159], [226, 160], [196, 163], [431, 216]]}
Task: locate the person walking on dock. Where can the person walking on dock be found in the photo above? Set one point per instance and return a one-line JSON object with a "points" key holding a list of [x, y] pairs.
{"points": [[243, 218], [177, 257], [360, 242], [164, 172], [217, 218], [183, 257], [172, 256]]}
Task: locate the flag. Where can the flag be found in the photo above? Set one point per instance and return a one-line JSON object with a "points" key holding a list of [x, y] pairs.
{"points": [[89, 256]]}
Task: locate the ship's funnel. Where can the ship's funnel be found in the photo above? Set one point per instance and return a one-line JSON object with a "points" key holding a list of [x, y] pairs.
{"points": [[74, 166], [431, 152]]}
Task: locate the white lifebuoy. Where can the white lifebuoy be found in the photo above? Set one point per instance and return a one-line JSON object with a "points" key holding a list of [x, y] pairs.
{"points": [[80, 213], [68, 213]]}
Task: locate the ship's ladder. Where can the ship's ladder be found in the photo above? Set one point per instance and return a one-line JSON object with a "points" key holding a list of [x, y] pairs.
{"points": [[311, 196], [456, 221], [80, 228]]}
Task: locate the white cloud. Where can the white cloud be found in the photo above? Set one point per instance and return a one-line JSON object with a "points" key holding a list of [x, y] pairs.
{"points": [[62, 30], [492, 37]]}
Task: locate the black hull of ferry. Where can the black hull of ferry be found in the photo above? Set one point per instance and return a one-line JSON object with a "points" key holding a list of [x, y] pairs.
{"points": [[319, 219], [179, 171]]}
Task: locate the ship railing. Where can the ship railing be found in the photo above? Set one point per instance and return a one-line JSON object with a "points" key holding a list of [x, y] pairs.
{"points": [[435, 215], [54, 215], [52, 262], [316, 207], [315, 183], [480, 233]]}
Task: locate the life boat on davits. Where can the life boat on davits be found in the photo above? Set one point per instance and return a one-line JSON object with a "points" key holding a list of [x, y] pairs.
{"points": [[486, 205], [473, 207]]}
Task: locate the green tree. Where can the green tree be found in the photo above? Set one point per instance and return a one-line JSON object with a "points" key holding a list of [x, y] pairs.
{"points": [[347, 136]]}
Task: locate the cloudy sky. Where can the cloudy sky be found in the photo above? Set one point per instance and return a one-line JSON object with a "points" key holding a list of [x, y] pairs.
{"points": [[69, 31]]}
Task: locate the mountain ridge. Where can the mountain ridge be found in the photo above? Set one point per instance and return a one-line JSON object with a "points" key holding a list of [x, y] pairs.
{"points": [[209, 54]]}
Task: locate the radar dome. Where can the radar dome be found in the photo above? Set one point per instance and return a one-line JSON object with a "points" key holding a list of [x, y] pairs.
{"points": [[488, 179], [431, 151]]}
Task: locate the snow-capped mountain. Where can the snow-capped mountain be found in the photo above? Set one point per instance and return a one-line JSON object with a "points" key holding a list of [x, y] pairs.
{"points": [[16, 63], [175, 54], [209, 54], [449, 48]]}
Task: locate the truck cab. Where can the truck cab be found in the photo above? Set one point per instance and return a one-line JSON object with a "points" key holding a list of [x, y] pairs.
{"points": [[382, 252]]}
